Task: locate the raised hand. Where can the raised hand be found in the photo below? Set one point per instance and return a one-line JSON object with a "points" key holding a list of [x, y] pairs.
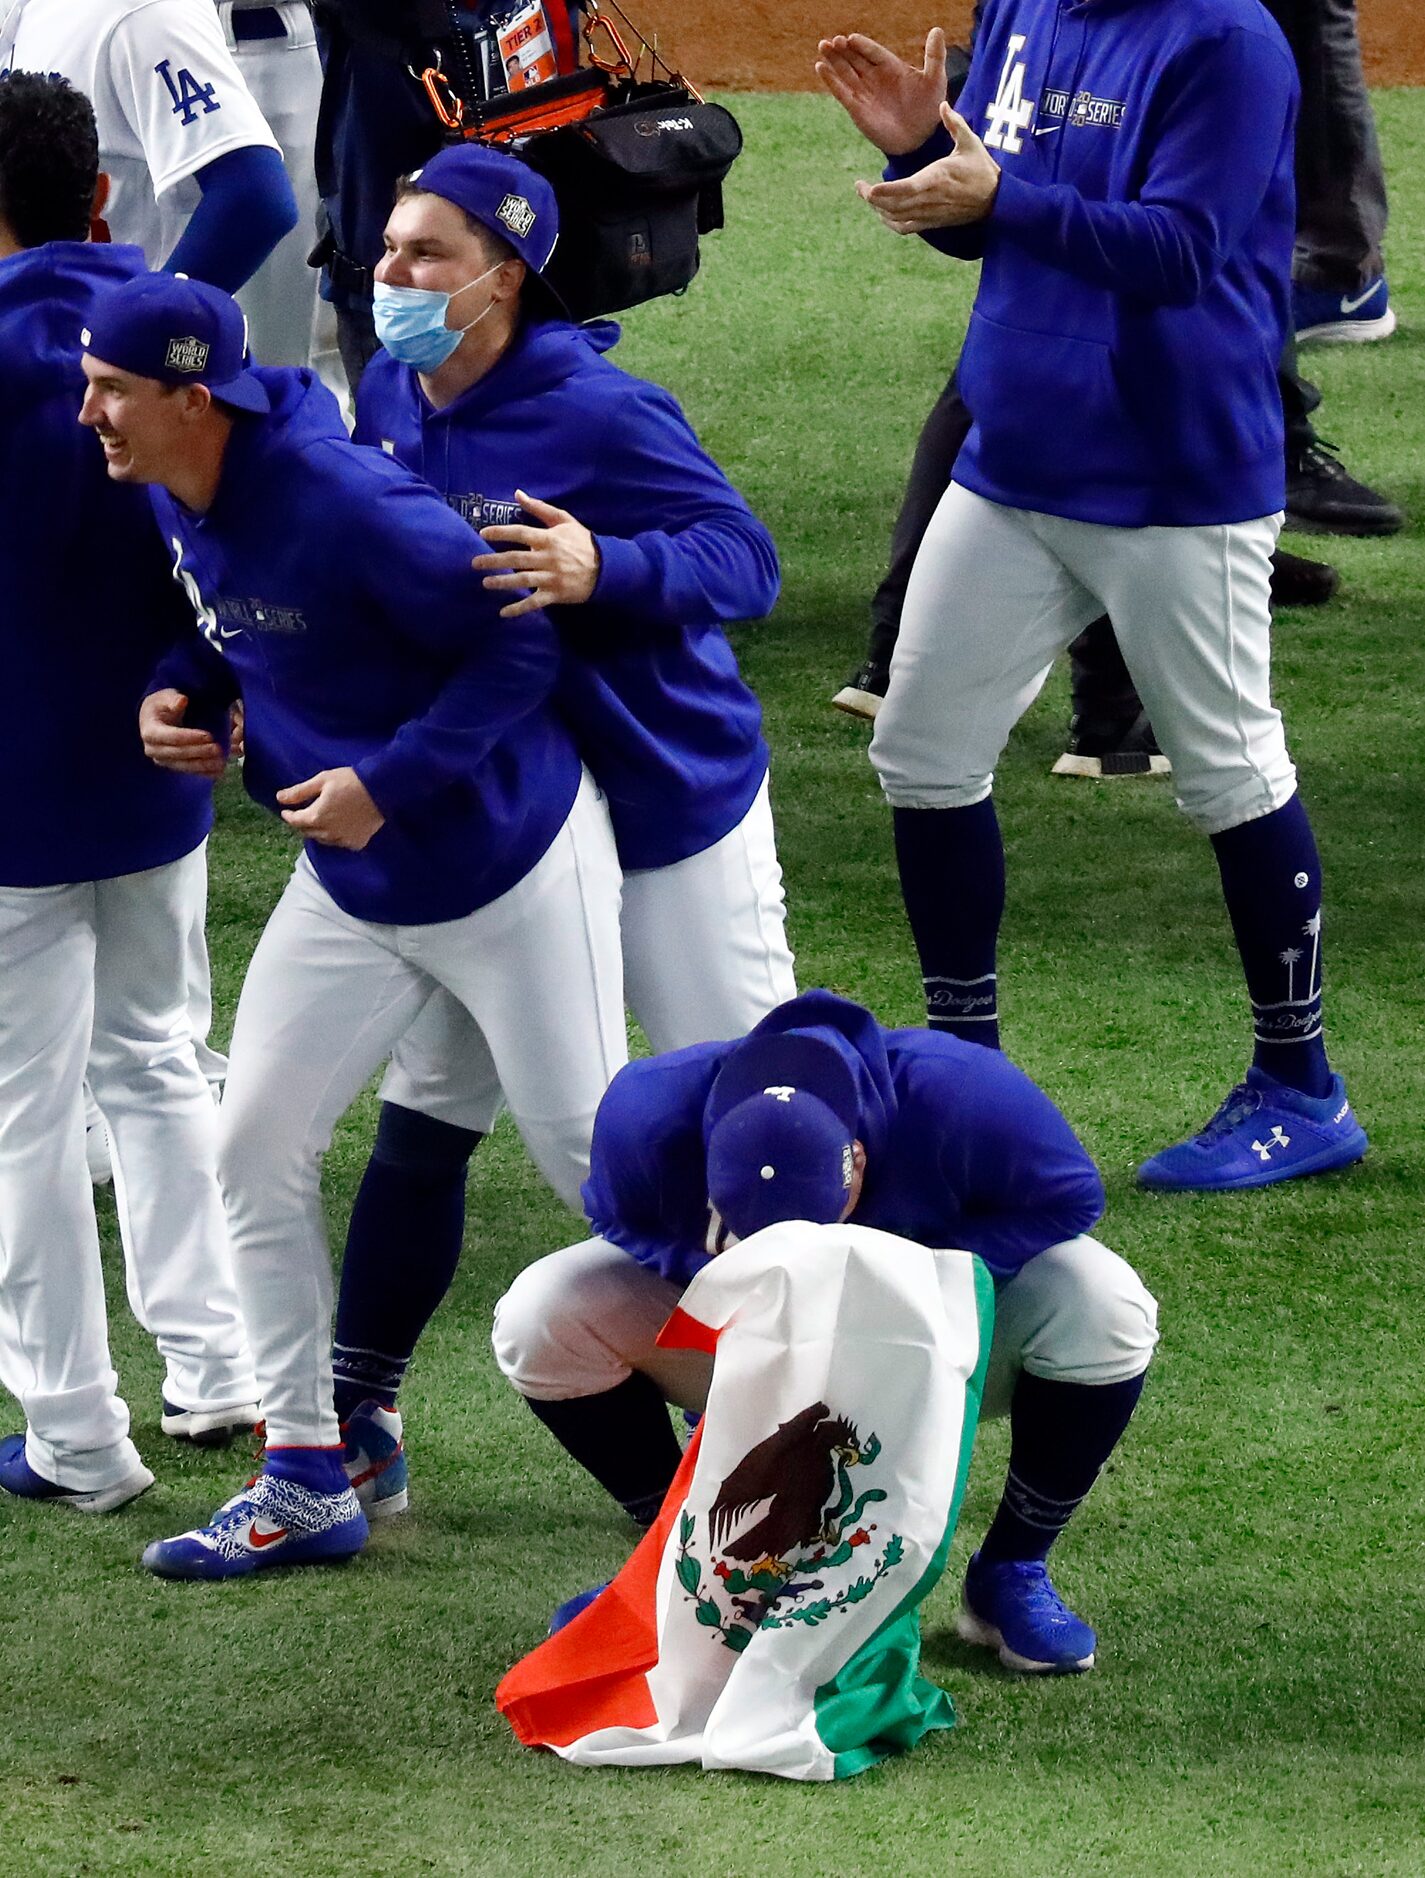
{"points": [[950, 193], [893, 105]]}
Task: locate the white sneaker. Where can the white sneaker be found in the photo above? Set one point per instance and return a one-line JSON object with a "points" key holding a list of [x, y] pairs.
{"points": [[209, 1428]]}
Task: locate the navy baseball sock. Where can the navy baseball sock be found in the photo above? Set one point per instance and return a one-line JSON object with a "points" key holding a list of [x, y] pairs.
{"points": [[1061, 1433], [1271, 880], [402, 1248], [951, 865], [623, 1437]]}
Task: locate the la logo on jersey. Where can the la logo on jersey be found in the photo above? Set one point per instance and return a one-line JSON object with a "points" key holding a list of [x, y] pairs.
{"points": [[1007, 119], [189, 97]]}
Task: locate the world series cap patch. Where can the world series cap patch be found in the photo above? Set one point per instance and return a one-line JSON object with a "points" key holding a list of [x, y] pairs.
{"points": [[516, 214], [186, 355]]}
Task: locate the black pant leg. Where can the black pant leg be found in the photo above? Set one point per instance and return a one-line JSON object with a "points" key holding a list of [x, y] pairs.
{"points": [[1340, 178], [1299, 399], [942, 434]]}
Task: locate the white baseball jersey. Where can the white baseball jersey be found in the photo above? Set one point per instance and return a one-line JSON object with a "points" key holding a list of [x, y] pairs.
{"points": [[166, 92]]}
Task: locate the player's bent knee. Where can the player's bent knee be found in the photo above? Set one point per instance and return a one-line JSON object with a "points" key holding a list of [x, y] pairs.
{"points": [[1081, 1314], [571, 1324]]}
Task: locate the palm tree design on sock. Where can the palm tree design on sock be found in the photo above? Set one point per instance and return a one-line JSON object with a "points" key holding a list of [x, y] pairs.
{"points": [[1312, 930], [1290, 958]]}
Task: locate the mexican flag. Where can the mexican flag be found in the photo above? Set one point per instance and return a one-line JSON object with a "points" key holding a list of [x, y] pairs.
{"points": [[770, 1619]]}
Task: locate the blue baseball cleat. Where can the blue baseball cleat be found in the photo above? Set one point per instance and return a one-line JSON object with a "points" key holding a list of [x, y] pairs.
{"points": [[1010, 1606], [19, 1478], [273, 1521], [1265, 1131], [374, 1457], [1343, 318], [571, 1607]]}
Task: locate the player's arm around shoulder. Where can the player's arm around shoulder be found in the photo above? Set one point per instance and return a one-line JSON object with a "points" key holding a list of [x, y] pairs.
{"points": [[408, 559]]}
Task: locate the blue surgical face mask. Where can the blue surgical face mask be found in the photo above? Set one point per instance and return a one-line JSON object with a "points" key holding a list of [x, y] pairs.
{"points": [[410, 322]]}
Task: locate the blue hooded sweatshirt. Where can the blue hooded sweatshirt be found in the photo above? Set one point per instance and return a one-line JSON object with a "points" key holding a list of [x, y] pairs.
{"points": [[86, 604], [1121, 359], [962, 1149], [334, 592], [650, 687]]}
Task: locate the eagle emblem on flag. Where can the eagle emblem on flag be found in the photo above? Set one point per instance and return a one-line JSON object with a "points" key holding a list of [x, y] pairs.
{"points": [[785, 1524]]}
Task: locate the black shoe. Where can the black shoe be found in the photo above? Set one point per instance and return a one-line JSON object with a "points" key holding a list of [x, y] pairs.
{"points": [[1107, 747], [1323, 499], [1299, 582], [863, 691]]}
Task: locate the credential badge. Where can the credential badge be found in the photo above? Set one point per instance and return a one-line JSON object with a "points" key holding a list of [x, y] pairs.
{"points": [[186, 355], [516, 214]]}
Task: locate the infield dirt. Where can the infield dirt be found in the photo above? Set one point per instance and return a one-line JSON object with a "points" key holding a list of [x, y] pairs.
{"points": [[768, 45]]}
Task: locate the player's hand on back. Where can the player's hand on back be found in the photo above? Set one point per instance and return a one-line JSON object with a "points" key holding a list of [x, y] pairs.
{"points": [[950, 193], [173, 745], [339, 811], [556, 564], [893, 105]]}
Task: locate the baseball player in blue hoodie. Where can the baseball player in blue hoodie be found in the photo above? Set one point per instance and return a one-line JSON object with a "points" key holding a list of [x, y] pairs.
{"points": [[452, 837], [99, 857], [599, 504], [822, 1114], [1123, 171]]}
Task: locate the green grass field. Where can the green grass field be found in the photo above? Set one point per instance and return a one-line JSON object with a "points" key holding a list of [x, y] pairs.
{"points": [[1254, 1559]]}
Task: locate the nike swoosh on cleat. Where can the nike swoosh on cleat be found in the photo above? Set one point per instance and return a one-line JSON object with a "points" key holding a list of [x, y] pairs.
{"points": [[1354, 306], [257, 1540]]}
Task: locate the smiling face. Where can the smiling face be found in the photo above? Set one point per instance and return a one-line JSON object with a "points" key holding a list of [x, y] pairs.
{"points": [[142, 424]]}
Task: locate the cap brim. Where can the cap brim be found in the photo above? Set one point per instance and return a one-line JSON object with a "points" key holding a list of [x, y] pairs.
{"points": [[785, 1056], [244, 393]]}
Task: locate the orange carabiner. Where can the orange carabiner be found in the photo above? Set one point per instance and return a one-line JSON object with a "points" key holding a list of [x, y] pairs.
{"points": [[621, 64], [445, 101]]}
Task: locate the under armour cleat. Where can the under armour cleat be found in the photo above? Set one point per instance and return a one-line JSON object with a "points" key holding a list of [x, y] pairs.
{"points": [[19, 1478], [1265, 1131], [374, 1457], [209, 1428], [1010, 1606], [572, 1607], [273, 1521], [1323, 313]]}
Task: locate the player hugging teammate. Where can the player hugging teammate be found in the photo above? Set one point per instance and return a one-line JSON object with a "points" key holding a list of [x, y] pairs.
{"points": [[531, 783]]}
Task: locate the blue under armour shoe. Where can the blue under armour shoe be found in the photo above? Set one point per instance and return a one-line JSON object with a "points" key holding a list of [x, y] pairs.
{"points": [[1265, 1131], [374, 1457], [19, 1478], [1010, 1606], [571, 1607], [1344, 318], [273, 1521]]}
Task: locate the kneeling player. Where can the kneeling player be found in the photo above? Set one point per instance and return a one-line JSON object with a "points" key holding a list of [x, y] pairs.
{"points": [[941, 1142]]}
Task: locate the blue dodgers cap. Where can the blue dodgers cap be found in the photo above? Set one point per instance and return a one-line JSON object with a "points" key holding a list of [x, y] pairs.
{"points": [[779, 1154], [507, 197], [799, 1059], [179, 331]]}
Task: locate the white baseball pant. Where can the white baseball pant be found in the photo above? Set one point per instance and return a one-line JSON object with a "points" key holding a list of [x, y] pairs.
{"points": [[95, 972], [580, 1321], [285, 77], [997, 593], [705, 956], [326, 997]]}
